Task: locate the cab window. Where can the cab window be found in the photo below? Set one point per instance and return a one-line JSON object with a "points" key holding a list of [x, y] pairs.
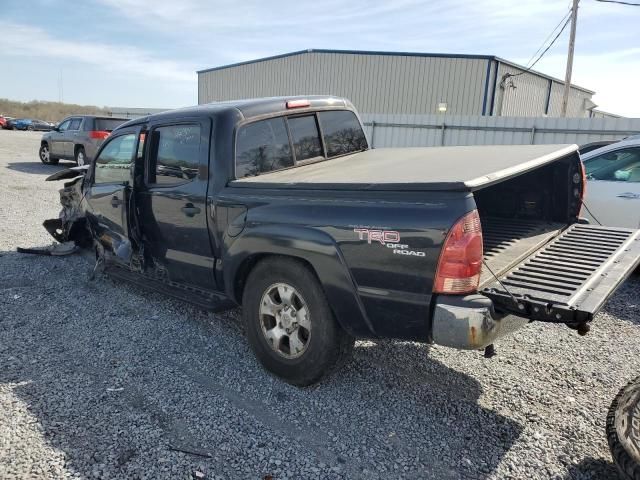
{"points": [[113, 164], [261, 147], [342, 132], [175, 154], [617, 166], [305, 137]]}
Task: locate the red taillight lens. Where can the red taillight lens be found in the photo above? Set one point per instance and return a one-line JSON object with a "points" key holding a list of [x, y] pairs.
{"points": [[98, 134], [298, 103], [460, 261]]}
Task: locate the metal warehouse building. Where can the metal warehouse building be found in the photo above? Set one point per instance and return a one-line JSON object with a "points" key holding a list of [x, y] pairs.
{"points": [[399, 83]]}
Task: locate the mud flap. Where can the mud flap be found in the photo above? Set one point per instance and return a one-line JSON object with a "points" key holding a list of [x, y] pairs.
{"points": [[569, 279]]}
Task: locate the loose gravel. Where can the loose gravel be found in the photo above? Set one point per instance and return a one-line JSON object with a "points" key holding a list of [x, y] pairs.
{"points": [[99, 379]]}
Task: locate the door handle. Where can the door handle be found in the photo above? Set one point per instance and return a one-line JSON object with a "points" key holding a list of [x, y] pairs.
{"points": [[116, 202], [190, 210], [629, 195]]}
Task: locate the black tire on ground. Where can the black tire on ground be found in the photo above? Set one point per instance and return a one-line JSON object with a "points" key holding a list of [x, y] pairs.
{"points": [[80, 156], [623, 430], [30, 128], [45, 155], [328, 345]]}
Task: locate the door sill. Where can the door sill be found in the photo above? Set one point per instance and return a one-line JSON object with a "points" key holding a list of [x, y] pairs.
{"points": [[205, 299]]}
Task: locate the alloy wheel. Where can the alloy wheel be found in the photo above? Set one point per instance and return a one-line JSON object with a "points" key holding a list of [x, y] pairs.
{"points": [[285, 320]]}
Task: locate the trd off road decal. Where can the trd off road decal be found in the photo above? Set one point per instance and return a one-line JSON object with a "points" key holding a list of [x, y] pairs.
{"points": [[388, 238]]}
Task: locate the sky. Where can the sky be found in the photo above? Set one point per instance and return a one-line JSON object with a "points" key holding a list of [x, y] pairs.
{"points": [[141, 53]]}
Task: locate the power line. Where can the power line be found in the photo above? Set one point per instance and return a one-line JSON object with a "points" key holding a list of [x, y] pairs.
{"points": [[566, 22], [631, 4], [549, 36]]}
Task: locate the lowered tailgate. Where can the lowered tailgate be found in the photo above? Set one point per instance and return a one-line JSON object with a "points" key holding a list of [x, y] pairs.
{"points": [[570, 278]]}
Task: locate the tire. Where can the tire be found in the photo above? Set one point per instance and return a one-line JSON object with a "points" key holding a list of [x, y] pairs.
{"points": [[322, 347], [30, 128], [623, 430], [80, 156], [45, 155]]}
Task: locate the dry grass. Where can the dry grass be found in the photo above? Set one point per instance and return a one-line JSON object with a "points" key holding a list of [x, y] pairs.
{"points": [[48, 111]]}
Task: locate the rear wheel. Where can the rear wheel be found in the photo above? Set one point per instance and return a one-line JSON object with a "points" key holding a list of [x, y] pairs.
{"points": [[30, 128], [45, 155], [623, 430], [80, 156], [290, 326]]}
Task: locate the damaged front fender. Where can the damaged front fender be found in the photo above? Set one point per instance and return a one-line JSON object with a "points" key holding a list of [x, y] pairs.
{"points": [[71, 224]]}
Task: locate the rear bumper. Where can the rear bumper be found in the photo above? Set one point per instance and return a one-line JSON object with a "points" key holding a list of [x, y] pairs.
{"points": [[470, 322]]}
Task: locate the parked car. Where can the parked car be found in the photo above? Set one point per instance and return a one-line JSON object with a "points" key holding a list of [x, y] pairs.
{"points": [[4, 120], [31, 124], [589, 147], [613, 191], [76, 138], [279, 205]]}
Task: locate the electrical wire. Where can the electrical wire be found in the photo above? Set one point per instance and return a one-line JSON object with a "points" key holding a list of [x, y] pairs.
{"points": [[631, 4], [508, 75], [564, 19]]}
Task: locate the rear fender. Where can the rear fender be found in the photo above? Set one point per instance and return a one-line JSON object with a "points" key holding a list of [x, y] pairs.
{"points": [[314, 247]]}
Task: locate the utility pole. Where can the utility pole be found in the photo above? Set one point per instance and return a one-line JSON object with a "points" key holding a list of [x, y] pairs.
{"points": [[572, 43]]}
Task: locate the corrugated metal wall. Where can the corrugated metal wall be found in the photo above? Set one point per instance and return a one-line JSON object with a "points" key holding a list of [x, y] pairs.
{"points": [[576, 105], [374, 83], [428, 131], [395, 84], [526, 95]]}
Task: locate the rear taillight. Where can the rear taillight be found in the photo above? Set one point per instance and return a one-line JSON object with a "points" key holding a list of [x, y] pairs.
{"points": [[98, 134], [460, 260]]}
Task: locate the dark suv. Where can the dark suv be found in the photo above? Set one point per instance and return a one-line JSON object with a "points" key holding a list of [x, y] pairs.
{"points": [[76, 138]]}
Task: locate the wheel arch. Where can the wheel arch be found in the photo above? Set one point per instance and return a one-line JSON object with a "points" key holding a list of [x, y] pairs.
{"points": [[316, 250]]}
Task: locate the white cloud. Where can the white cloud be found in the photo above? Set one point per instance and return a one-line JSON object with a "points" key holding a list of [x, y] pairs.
{"points": [[24, 40]]}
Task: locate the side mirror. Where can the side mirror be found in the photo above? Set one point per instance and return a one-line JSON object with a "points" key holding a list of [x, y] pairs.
{"points": [[56, 128]]}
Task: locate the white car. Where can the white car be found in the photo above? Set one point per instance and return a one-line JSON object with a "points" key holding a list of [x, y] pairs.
{"points": [[613, 186]]}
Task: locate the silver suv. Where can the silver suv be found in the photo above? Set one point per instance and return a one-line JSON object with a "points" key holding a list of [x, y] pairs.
{"points": [[76, 138]]}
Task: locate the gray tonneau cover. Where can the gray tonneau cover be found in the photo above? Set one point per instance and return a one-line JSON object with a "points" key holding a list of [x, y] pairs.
{"points": [[465, 168]]}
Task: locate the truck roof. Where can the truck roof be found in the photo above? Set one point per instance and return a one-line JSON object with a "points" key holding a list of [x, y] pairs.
{"points": [[250, 108], [463, 168]]}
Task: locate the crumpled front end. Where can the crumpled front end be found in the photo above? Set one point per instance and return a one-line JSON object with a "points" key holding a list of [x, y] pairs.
{"points": [[71, 224]]}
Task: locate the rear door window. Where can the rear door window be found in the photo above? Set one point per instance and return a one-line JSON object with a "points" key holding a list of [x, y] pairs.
{"points": [[342, 132], [305, 137], [261, 147], [175, 154]]}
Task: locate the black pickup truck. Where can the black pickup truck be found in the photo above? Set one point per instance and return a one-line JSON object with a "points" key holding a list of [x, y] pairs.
{"points": [[280, 206]]}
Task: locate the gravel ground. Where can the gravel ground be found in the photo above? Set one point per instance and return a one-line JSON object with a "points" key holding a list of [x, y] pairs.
{"points": [[101, 380]]}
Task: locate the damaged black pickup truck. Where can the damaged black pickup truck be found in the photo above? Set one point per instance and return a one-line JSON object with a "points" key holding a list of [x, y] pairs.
{"points": [[280, 206]]}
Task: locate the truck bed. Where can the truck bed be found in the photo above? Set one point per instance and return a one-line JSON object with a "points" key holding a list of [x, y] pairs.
{"points": [[509, 241], [462, 168]]}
